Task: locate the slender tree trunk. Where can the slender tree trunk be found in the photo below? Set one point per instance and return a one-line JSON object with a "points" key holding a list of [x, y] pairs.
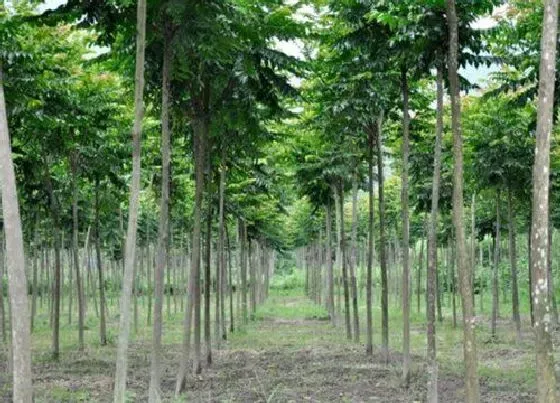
{"points": [[76, 248], [496, 267], [133, 204], [382, 246], [419, 275], [221, 248], [405, 230], [208, 282], [546, 378], [550, 277], [431, 269], [3, 324], [35, 257], [473, 249], [57, 264], [472, 390], [354, 259], [371, 214], [243, 269], [201, 127], [344, 262], [330, 274], [530, 280], [513, 264], [102, 322], [154, 392], [230, 279], [17, 282]]}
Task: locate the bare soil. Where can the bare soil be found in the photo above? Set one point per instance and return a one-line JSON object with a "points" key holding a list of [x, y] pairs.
{"points": [[272, 360]]}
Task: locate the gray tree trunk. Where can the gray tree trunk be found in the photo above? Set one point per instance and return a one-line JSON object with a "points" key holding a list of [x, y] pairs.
{"points": [[371, 214], [17, 282], [382, 245], [133, 205], [472, 389], [354, 257], [546, 378], [154, 392], [513, 264], [76, 248], [405, 230]]}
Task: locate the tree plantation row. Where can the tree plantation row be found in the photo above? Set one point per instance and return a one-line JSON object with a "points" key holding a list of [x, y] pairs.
{"points": [[162, 160]]}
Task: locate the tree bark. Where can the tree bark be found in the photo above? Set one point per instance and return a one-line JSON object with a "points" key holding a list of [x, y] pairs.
{"points": [[133, 205], [221, 287], [371, 214], [102, 303], [382, 246], [342, 238], [546, 378], [54, 209], [472, 389], [17, 282], [243, 269], [76, 248], [35, 256], [550, 277], [354, 259], [513, 264], [154, 391], [495, 269], [208, 281], [405, 230], [330, 274]]}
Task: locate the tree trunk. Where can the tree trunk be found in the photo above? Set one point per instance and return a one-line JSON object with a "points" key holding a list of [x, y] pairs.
{"points": [[546, 378], [76, 248], [243, 269], [530, 280], [133, 204], [472, 390], [342, 238], [330, 274], [405, 230], [17, 282], [550, 278], [473, 249], [230, 280], [208, 281], [382, 246], [102, 310], [371, 214], [419, 275], [154, 392], [353, 265], [54, 208], [513, 264], [3, 324], [495, 293], [35, 256], [221, 273]]}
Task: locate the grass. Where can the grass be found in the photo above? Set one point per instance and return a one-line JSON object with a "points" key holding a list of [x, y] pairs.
{"points": [[504, 364]]}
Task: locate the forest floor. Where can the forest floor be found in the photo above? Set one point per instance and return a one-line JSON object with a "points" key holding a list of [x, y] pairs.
{"points": [[290, 352]]}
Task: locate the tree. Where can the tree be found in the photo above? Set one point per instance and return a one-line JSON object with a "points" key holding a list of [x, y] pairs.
{"points": [[124, 321], [17, 282], [546, 377], [472, 392]]}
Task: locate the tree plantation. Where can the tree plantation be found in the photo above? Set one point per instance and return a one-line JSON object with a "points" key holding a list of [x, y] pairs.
{"points": [[279, 200]]}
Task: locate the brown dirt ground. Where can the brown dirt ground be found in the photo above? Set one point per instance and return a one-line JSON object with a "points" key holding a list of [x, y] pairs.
{"points": [[302, 365]]}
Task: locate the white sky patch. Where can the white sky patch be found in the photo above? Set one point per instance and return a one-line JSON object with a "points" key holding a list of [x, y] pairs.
{"points": [[490, 21], [50, 5]]}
